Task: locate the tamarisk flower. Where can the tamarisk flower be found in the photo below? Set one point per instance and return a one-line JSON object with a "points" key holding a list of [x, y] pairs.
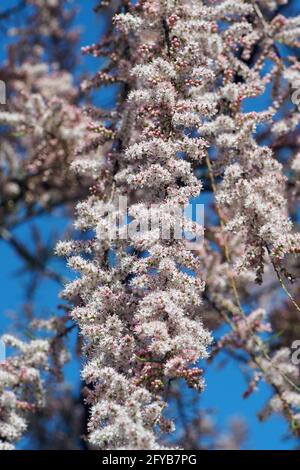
{"points": [[138, 300], [251, 196], [139, 314], [42, 117], [21, 387], [284, 374]]}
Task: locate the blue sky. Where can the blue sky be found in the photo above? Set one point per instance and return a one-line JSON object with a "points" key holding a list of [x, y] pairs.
{"points": [[225, 386]]}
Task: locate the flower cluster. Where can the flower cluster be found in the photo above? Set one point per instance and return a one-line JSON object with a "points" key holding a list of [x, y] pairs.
{"points": [[138, 302], [139, 314], [21, 387], [188, 74]]}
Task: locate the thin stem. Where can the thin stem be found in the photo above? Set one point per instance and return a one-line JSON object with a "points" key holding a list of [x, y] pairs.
{"points": [[281, 281], [226, 247], [12, 10], [35, 263]]}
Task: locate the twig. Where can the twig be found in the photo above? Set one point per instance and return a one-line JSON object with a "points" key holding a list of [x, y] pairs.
{"points": [[12, 10]]}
